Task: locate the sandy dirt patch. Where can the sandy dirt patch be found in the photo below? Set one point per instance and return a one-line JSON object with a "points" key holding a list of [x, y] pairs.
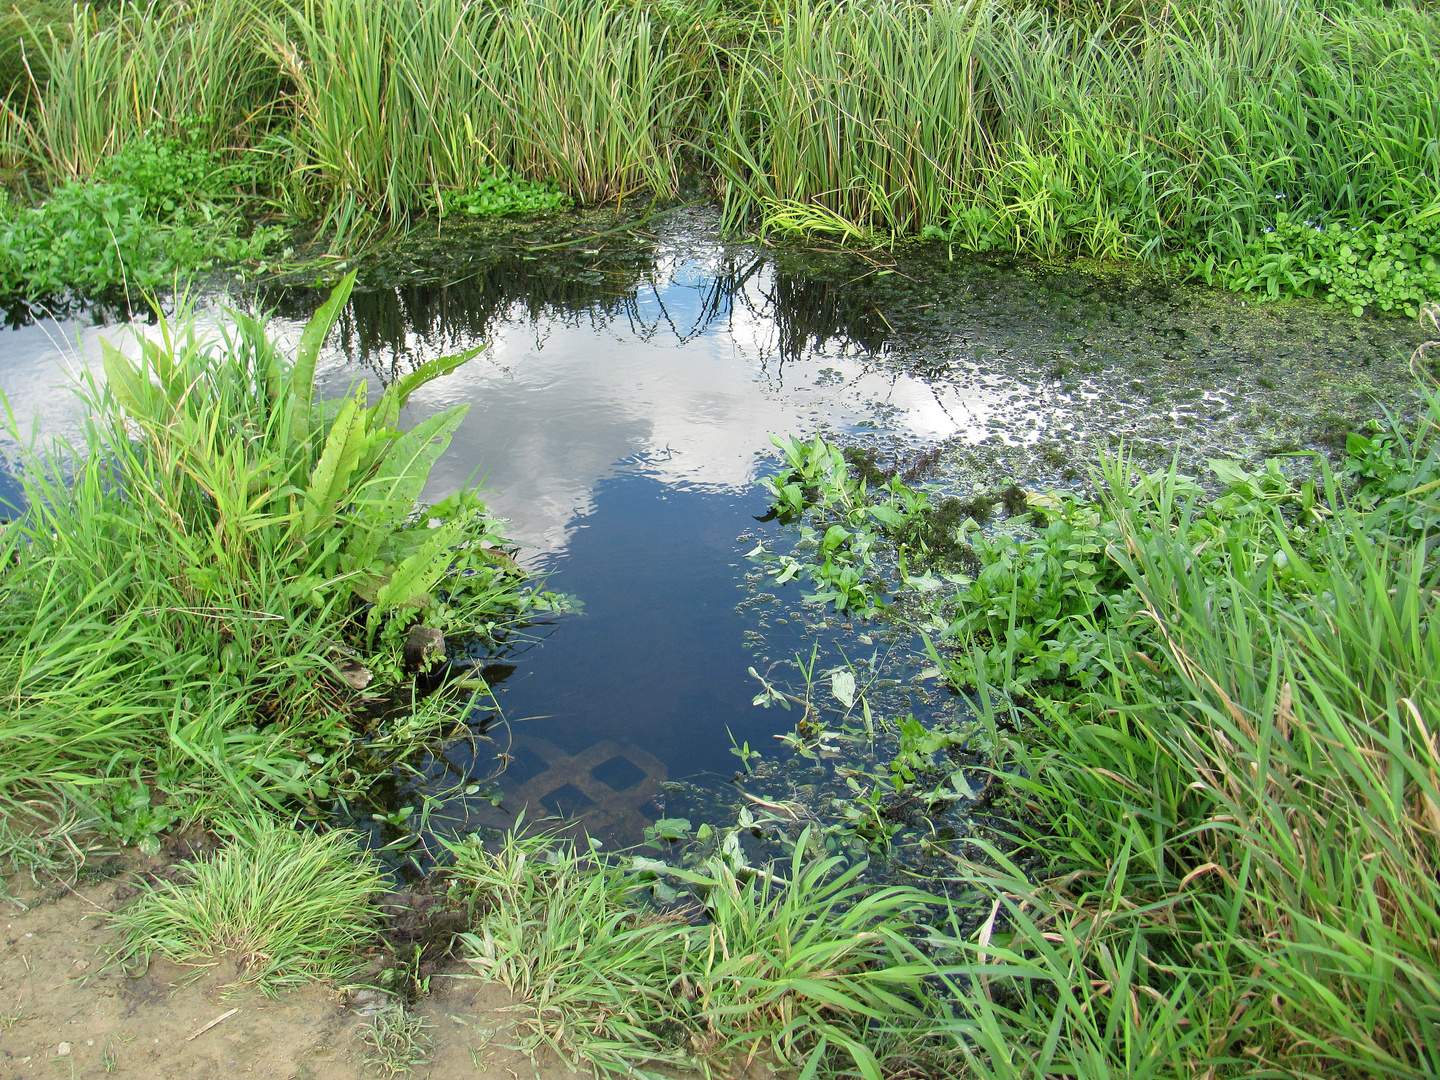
{"points": [[66, 1012]]}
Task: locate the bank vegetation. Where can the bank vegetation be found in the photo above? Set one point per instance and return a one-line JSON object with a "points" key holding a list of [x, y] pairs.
{"points": [[1267, 145]]}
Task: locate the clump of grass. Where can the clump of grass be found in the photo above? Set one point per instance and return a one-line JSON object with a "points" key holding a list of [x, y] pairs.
{"points": [[288, 906], [423, 98], [1234, 776], [395, 1040], [45, 838], [192, 591], [105, 74], [801, 972]]}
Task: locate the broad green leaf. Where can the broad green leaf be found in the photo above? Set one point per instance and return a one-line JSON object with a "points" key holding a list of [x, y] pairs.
{"points": [[386, 411], [1231, 473], [332, 473], [129, 385], [302, 375], [887, 516], [390, 496], [412, 580]]}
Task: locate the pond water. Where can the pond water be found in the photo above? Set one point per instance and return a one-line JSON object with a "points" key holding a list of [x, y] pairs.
{"points": [[620, 414]]}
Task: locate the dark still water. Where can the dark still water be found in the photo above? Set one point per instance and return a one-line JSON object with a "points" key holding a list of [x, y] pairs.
{"points": [[620, 413]]}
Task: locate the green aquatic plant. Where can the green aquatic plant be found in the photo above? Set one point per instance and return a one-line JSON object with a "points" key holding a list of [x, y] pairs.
{"points": [[162, 208], [199, 587], [1207, 713], [853, 517], [1234, 786], [1240, 712], [497, 194], [1387, 267]]}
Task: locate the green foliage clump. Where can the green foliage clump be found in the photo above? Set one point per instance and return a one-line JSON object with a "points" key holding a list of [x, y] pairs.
{"points": [[854, 514], [1212, 720], [806, 970], [1246, 743], [197, 590], [1025, 616], [497, 194], [155, 210], [287, 906], [1370, 265]]}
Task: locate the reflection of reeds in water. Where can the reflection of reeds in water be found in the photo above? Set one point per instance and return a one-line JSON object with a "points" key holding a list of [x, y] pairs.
{"points": [[390, 330], [810, 312]]}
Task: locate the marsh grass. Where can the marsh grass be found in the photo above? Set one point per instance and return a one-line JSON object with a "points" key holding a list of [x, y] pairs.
{"points": [[868, 112], [190, 580], [286, 905], [1176, 135], [799, 972], [396, 1041], [398, 104], [1213, 710], [45, 840], [1243, 812], [111, 74], [1020, 130]]}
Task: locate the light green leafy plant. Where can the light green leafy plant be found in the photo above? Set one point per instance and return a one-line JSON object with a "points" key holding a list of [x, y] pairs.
{"points": [[287, 905], [805, 970], [196, 588]]}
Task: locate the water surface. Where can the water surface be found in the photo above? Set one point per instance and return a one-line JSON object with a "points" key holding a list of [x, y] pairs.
{"points": [[620, 409]]}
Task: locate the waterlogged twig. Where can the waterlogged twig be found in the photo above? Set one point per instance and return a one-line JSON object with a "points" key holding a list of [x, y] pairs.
{"points": [[787, 808]]}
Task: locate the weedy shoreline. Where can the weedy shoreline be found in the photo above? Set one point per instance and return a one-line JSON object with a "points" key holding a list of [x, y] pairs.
{"points": [[1212, 707], [1273, 147]]}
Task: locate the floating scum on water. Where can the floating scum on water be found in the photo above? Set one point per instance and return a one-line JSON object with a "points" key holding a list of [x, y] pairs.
{"points": [[191, 579]]}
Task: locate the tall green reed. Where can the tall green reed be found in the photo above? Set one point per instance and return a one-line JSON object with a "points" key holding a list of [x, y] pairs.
{"points": [[113, 74], [1186, 131], [394, 103], [1243, 817], [867, 111], [1181, 133], [188, 579]]}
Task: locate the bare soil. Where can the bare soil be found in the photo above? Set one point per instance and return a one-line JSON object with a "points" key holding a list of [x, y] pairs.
{"points": [[65, 1011]]}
